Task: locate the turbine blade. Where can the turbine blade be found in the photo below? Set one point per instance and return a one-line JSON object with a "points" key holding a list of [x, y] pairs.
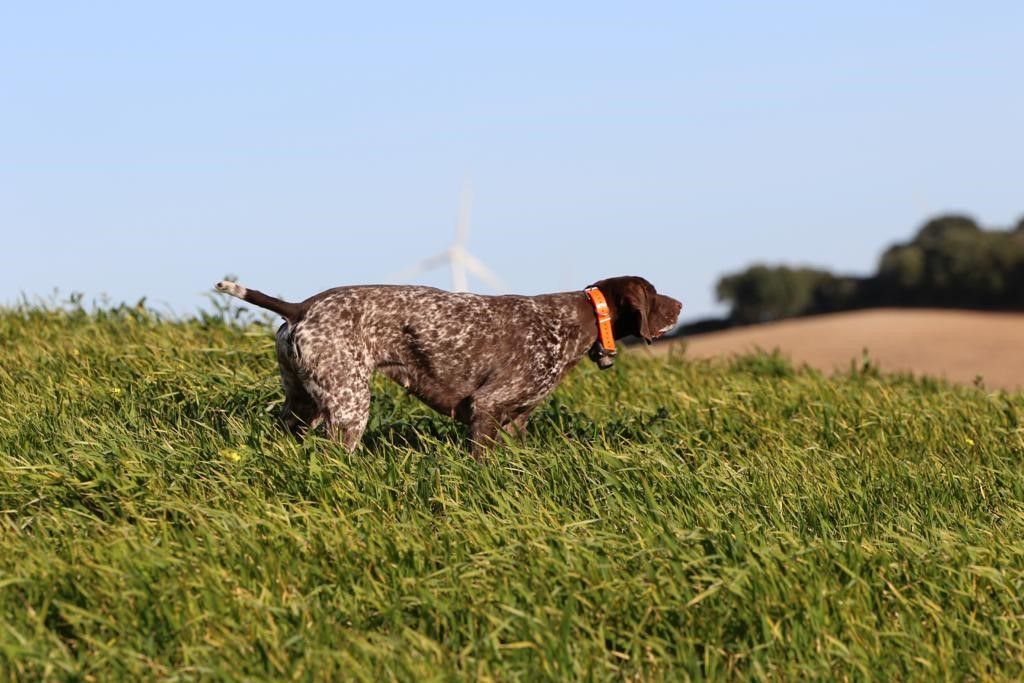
{"points": [[475, 266], [421, 267]]}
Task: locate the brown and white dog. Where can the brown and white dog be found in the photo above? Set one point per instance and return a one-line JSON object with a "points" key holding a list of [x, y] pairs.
{"points": [[484, 360]]}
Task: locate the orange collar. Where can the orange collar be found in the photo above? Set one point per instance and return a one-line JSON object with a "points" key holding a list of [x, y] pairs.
{"points": [[604, 320]]}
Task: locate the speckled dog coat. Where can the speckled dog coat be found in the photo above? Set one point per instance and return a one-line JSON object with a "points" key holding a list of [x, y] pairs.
{"points": [[484, 360]]}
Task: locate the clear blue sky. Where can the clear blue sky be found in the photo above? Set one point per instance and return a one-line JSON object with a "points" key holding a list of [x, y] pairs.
{"points": [[149, 149]]}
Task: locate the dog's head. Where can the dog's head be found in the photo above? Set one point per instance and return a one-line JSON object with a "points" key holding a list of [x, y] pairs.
{"points": [[637, 308]]}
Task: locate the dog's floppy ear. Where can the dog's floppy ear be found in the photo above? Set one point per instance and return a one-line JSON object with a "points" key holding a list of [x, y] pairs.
{"points": [[635, 297]]}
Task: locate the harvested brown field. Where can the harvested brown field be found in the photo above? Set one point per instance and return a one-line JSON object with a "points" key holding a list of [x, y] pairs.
{"points": [[956, 345]]}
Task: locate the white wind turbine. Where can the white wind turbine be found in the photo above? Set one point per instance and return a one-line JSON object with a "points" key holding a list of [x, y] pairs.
{"points": [[456, 256]]}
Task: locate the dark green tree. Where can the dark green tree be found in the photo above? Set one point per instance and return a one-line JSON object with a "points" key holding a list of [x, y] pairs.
{"points": [[762, 293], [950, 262]]}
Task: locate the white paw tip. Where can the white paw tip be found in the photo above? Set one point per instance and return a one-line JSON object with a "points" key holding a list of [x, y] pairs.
{"points": [[232, 288]]}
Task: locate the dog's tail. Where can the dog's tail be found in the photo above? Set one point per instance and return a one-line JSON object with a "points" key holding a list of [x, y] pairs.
{"points": [[289, 311]]}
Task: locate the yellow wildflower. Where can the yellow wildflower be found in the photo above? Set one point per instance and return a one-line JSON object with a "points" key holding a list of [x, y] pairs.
{"points": [[230, 454]]}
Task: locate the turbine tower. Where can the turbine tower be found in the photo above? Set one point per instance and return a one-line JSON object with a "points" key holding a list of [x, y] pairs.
{"points": [[458, 258]]}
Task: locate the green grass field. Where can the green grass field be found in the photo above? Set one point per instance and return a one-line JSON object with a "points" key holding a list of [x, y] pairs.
{"points": [[666, 519]]}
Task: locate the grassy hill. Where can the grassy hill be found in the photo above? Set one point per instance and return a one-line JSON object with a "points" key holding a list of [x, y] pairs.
{"points": [[667, 518]]}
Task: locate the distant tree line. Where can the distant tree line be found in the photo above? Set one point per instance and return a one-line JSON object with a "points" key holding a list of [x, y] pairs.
{"points": [[950, 263]]}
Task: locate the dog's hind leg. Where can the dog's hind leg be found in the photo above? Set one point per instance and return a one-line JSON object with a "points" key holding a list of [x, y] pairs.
{"points": [[345, 403], [516, 428], [300, 411], [338, 380]]}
